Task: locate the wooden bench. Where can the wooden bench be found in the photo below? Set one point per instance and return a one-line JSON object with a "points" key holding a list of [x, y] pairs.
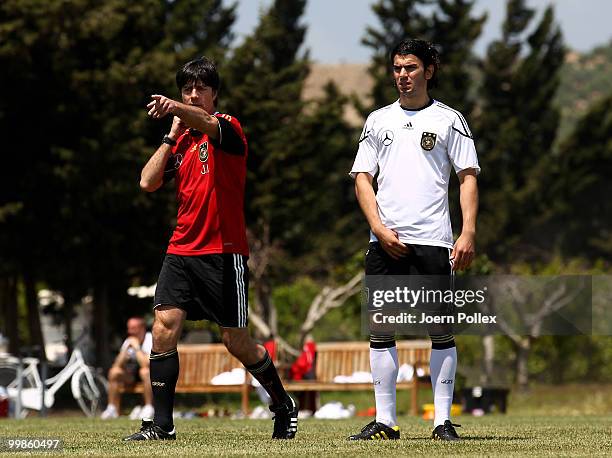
{"points": [[345, 358], [201, 362]]}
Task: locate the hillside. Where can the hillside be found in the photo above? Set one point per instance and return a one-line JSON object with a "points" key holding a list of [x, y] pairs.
{"points": [[585, 78], [351, 79]]}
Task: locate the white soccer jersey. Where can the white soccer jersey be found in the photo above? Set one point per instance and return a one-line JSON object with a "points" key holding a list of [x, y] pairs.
{"points": [[412, 151]]}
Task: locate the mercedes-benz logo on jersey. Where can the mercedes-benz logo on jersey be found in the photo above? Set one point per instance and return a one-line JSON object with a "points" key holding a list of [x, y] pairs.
{"points": [[387, 137], [178, 160], [428, 141], [203, 152]]}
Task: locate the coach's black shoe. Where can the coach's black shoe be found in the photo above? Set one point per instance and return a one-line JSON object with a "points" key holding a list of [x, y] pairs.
{"points": [[376, 430], [446, 432], [285, 419], [150, 432]]}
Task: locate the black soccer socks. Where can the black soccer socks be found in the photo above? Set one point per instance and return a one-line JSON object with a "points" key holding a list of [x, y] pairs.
{"points": [[164, 369], [265, 373]]}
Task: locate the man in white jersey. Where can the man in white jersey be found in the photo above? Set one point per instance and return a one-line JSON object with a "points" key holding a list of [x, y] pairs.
{"points": [[410, 147], [131, 365]]}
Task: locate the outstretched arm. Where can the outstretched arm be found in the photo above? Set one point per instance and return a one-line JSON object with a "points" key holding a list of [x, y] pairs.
{"points": [[193, 116]]}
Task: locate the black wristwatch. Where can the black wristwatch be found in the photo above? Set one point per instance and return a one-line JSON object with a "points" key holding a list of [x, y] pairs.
{"points": [[168, 141]]}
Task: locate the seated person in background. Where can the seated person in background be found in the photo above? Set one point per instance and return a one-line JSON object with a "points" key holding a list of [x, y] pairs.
{"points": [[131, 364]]}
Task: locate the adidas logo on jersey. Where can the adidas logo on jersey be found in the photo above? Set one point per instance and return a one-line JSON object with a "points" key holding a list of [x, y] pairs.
{"points": [[408, 125]]}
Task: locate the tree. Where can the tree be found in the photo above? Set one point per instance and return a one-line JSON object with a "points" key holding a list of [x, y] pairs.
{"points": [[72, 213], [454, 31], [265, 78], [580, 179], [515, 131], [327, 299], [451, 28], [299, 199], [527, 303], [318, 194], [399, 19]]}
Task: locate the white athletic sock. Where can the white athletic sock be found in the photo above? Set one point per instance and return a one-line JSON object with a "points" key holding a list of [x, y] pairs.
{"points": [[442, 366], [383, 362]]}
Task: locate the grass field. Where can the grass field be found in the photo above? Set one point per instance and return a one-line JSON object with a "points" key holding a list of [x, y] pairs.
{"points": [[569, 420], [532, 436]]}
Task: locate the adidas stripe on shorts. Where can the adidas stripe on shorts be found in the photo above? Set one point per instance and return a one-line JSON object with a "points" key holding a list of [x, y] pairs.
{"points": [[210, 287]]}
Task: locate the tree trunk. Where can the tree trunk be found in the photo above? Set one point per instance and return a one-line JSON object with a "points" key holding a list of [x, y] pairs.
{"points": [[34, 327], [272, 317], [328, 298], [263, 305], [262, 254], [100, 308], [8, 307], [261, 308], [67, 314], [488, 344], [522, 359]]}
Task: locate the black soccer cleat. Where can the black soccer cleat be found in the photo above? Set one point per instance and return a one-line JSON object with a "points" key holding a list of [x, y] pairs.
{"points": [[446, 432], [285, 419], [375, 430], [150, 432]]}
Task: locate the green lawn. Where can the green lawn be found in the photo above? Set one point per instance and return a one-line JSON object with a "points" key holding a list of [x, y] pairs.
{"points": [[552, 400], [568, 420], [486, 436]]}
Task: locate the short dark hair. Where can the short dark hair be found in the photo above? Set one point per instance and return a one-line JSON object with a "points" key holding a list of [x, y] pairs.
{"points": [[201, 69], [424, 50]]}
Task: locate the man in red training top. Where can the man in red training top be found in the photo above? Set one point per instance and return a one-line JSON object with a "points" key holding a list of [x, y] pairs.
{"points": [[204, 274]]}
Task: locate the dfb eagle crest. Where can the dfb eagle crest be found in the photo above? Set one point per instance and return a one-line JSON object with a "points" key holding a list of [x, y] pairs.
{"points": [[428, 141]]}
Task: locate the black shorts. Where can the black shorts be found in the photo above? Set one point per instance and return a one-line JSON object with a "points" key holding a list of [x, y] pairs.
{"points": [[210, 287], [430, 267], [422, 260]]}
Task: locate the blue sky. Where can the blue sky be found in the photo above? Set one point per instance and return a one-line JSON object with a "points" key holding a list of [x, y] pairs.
{"points": [[335, 27]]}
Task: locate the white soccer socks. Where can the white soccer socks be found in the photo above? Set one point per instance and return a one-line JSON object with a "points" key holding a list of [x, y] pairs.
{"points": [[442, 365], [384, 365]]}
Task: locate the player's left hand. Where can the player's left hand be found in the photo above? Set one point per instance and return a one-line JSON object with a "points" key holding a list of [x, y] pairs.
{"points": [[463, 251], [160, 106]]}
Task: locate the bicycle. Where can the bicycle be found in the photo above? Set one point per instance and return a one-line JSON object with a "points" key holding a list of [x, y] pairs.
{"points": [[89, 388]]}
